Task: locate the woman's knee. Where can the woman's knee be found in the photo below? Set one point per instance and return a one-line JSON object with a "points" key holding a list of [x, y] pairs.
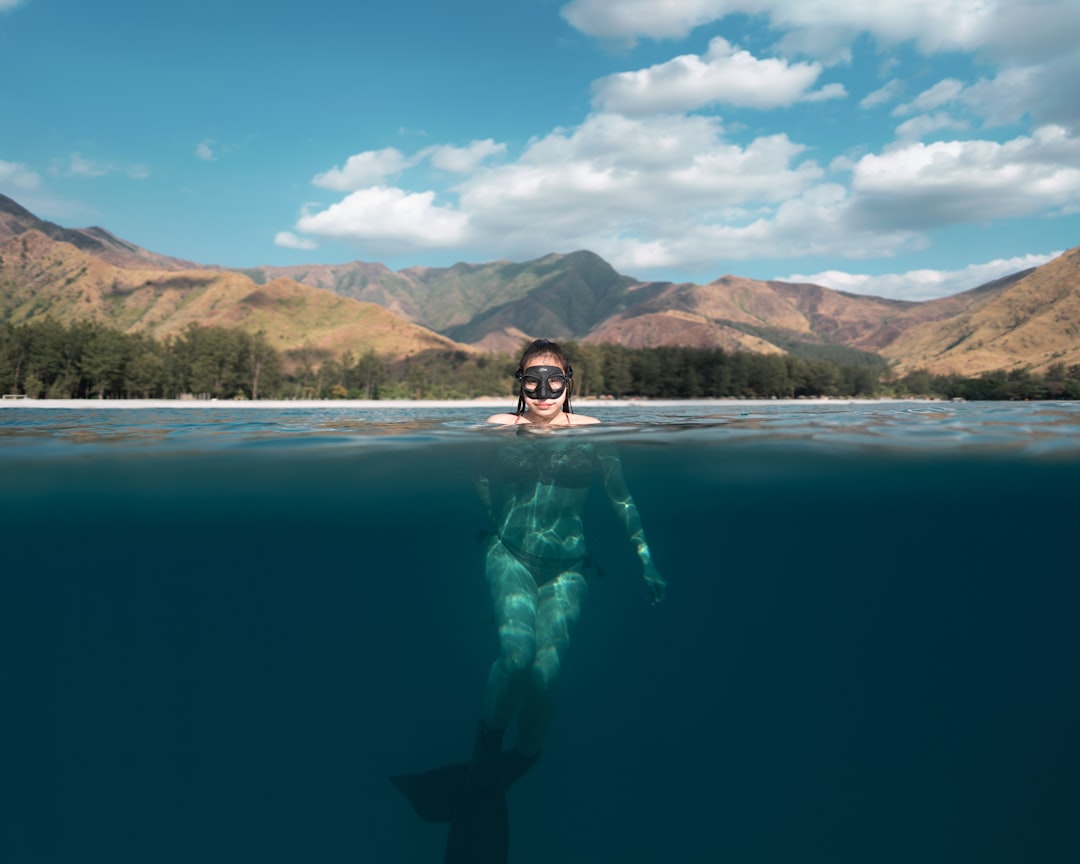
{"points": [[518, 649], [545, 669]]}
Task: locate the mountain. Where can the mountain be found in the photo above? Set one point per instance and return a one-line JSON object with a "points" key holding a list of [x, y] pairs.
{"points": [[1028, 319], [16, 220], [41, 277], [500, 305], [493, 306]]}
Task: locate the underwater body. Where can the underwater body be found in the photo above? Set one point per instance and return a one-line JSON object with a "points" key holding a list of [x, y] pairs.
{"points": [[225, 628]]}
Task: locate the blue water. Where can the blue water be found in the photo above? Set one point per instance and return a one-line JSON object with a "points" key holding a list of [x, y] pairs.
{"points": [[223, 628]]}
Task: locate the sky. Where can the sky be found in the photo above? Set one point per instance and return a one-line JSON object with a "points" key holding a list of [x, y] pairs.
{"points": [[901, 148]]}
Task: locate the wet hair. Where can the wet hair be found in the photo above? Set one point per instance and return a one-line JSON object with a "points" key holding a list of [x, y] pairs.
{"points": [[546, 348]]}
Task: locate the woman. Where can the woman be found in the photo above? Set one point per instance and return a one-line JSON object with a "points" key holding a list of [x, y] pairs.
{"points": [[536, 562]]}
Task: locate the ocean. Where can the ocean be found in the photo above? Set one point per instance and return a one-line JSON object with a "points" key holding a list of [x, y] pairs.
{"points": [[224, 627]]}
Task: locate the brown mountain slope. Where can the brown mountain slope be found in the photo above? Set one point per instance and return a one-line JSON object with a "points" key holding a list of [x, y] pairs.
{"points": [[1032, 323], [737, 313], [371, 283], [1024, 320], [15, 220], [41, 277], [741, 313]]}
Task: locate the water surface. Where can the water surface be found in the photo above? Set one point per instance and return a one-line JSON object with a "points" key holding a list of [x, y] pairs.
{"points": [[223, 627]]}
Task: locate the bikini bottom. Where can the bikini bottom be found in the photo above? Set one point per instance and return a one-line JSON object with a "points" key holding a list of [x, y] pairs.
{"points": [[544, 568]]}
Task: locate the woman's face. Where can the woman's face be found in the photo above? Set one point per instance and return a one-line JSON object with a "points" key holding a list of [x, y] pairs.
{"points": [[543, 409]]}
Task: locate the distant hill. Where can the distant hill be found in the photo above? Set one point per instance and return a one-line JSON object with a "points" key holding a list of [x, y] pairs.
{"points": [[41, 277], [1029, 319], [16, 220], [494, 306]]}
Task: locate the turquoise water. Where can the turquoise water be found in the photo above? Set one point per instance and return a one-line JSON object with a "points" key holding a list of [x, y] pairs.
{"points": [[223, 628]]}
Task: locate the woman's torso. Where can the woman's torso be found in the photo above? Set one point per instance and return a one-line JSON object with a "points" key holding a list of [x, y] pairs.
{"points": [[539, 491]]}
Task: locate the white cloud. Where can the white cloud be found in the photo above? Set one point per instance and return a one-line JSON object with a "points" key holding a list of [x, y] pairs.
{"points": [[629, 19], [463, 160], [923, 125], [5, 5], [612, 176], [921, 186], [388, 218], [883, 95], [602, 185], [723, 75], [1009, 95], [672, 191], [811, 224], [15, 175], [922, 284], [1017, 29], [1032, 43], [288, 240], [205, 150], [364, 169], [945, 91], [648, 184], [78, 166], [138, 171], [1045, 92]]}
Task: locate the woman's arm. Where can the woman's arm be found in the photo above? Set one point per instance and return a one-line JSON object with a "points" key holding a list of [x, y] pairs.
{"points": [[626, 512], [483, 491]]}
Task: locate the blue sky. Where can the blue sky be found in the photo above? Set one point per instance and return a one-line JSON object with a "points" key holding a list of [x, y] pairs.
{"points": [[903, 148]]}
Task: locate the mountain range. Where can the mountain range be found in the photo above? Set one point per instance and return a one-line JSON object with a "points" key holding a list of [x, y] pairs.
{"points": [[1030, 319]]}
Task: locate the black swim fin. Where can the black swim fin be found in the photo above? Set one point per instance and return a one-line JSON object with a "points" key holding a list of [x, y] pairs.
{"points": [[436, 794], [480, 829]]}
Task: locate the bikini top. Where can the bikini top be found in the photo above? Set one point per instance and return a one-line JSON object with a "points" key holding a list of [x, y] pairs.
{"points": [[569, 464]]}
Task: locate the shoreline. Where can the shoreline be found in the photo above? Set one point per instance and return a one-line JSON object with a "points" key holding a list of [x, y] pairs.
{"points": [[487, 402]]}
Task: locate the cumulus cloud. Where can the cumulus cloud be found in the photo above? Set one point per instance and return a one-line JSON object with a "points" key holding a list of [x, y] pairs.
{"points": [[945, 91], [600, 184], [673, 191], [388, 217], [920, 186], [883, 95], [647, 183], [463, 160], [642, 192], [288, 240], [922, 284], [1033, 45], [723, 75], [364, 169], [17, 176], [627, 20], [926, 124], [1006, 29], [205, 150], [1043, 92]]}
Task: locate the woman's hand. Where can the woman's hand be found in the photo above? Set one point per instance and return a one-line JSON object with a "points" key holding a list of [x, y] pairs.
{"points": [[655, 585]]}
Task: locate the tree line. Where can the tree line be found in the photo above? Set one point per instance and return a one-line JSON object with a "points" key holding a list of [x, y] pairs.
{"points": [[90, 360]]}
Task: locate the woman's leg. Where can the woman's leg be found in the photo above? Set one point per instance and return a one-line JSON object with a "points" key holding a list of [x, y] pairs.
{"points": [[514, 597], [559, 608]]}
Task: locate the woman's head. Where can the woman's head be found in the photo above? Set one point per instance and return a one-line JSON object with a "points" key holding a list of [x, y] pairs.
{"points": [[545, 376]]}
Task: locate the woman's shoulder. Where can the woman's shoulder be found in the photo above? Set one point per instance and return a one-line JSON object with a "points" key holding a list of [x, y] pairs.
{"points": [[581, 420], [503, 419]]}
